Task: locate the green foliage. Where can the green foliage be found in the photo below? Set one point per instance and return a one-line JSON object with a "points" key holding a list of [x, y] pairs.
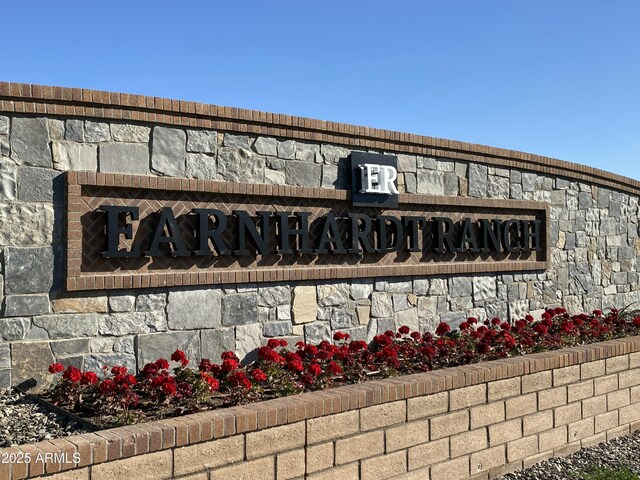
{"points": [[596, 472]]}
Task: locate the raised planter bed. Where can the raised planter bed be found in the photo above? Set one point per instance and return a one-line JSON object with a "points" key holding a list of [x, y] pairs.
{"points": [[477, 421]]}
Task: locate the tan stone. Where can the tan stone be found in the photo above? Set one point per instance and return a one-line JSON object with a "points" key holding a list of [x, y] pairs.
{"points": [[360, 446], [80, 305], [319, 457], [605, 384], [488, 414], [594, 440], [500, 389], [364, 314], [617, 364], [489, 458], [593, 406], [384, 466], [567, 414], [332, 426], [520, 406], [451, 470], [382, 415], [629, 414], [467, 396], [617, 432], [468, 442], [505, 432], [592, 369], [407, 435], [198, 457], [153, 466], [538, 422], [428, 453], [618, 399], [345, 472], [427, 406], [536, 381], [262, 468], [522, 448], [534, 459], [80, 474], [446, 425], [579, 391], [606, 421], [290, 464], [553, 438], [565, 375], [629, 378], [305, 304], [276, 439], [581, 429], [554, 397]]}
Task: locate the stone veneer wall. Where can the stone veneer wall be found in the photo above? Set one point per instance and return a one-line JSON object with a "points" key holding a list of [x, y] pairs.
{"points": [[477, 421], [45, 131]]}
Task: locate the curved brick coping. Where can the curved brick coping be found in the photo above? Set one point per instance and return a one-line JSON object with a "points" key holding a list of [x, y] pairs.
{"points": [[38, 99], [145, 438]]}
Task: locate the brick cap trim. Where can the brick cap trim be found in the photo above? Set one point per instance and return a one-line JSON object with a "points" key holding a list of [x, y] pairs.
{"points": [[123, 442], [63, 101]]}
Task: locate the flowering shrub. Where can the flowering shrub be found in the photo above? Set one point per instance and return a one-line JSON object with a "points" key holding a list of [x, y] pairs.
{"points": [[119, 397]]}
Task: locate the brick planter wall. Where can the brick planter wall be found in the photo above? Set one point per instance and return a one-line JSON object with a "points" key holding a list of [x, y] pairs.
{"points": [[477, 421]]}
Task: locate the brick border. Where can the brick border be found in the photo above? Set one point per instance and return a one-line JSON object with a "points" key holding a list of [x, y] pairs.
{"points": [[123, 442], [77, 281], [62, 101]]}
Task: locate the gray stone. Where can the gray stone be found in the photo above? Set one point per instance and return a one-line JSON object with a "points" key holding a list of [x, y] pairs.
{"points": [[399, 302], [420, 286], [341, 318], [201, 165], [283, 312], [529, 181], [68, 326], [168, 151], [161, 345], [411, 183], [127, 133], [149, 302], [454, 319], [409, 318], [275, 177], [5, 379], [95, 132], [427, 306], [360, 290], [329, 176], [558, 198], [585, 200], [277, 329], [56, 129], [25, 305], [4, 125], [484, 288], [240, 309], [131, 158], [237, 141], [438, 286], [477, 180], [451, 186], [274, 296], [190, 309], [240, 166], [316, 332], [119, 324], [26, 224], [266, 146], [303, 174], [381, 305], [14, 328], [5, 356], [215, 342], [70, 347], [385, 325], [74, 156], [202, 141], [8, 189], [460, 286], [275, 163], [430, 182], [28, 270], [248, 339], [498, 187], [74, 130], [332, 153], [39, 184], [407, 163], [5, 148], [121, 303], [287, 149], [308, 152], [333, 294], [395, 285], [96, 361], [30, 141], [30, 362]]}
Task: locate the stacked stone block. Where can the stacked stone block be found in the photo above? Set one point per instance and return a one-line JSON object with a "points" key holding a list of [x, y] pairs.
{"points": [[594, 256]]}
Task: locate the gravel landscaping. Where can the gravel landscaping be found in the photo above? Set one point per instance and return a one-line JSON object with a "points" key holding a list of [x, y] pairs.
{"points": [[619, 452], [23, 421]]}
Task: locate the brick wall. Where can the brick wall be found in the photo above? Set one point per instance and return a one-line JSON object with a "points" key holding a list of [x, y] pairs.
{"points": [[477, 421]]}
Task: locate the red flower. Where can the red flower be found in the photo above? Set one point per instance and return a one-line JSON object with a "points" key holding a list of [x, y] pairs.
{"points": [[118, 370], [442, 329], [229, 365], [597, 313], [315, 369], [106, 386], [72, 374], [240, 379], [150, 369], [341, 336], [179, 356], [162, 364], [229, 356], [505, 326], [334, 368], [495, 321], [258, 375], [636, 322], [209, 380], [472, 320], [89, 378], [528, 318], [169, 388], [56, 368], [541, 329], [273, 343], [404, 330]]}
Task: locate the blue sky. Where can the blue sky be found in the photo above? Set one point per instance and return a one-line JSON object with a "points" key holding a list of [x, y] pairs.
{"points": [[554, 77]]}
